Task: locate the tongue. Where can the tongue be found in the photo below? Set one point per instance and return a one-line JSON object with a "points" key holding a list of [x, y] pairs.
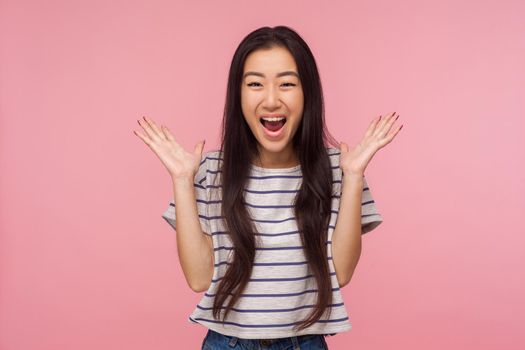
{"points": [[273, 126]]}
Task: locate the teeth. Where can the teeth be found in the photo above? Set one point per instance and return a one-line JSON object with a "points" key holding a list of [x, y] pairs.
{"points": [[276, 119]]}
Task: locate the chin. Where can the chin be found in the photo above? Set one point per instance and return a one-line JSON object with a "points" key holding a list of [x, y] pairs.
{"points": [[274, 147]]}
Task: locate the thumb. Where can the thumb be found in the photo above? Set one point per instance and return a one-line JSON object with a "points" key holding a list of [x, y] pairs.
{"points": [[199, 147]]}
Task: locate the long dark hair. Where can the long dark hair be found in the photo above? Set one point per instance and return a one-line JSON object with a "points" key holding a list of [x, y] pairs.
{"points": [[239, 148]]}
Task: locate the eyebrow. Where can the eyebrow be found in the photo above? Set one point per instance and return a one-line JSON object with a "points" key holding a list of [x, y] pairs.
{"points": [[288, 72]]}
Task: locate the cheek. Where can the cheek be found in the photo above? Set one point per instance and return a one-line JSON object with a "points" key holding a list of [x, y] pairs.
{"points": [[246, 94], [296, 103], [248, 104], [298, 107]]}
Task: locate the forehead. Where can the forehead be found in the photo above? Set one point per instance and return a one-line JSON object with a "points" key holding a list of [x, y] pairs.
{"points": [[270, 61]]}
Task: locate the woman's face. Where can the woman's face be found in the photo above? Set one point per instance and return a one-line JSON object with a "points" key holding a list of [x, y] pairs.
{"points": [[271, 88]]}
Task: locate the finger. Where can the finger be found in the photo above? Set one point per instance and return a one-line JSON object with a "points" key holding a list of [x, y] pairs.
{"points": [[384, 121], [168, 134], [198, 148], [142, 137], [393, 134], [391, 122], [147, 128], [154, 127], [372, 126], [151, 129], [344, 147], [385, 128]]}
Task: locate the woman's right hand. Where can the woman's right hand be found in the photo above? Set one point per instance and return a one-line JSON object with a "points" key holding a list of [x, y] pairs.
{"points": [[180, 164]]}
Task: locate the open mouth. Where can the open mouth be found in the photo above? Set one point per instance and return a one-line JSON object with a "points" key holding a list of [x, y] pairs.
{"points": [[273, 124]]}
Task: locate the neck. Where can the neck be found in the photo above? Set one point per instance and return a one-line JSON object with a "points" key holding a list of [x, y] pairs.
{"points": [[285, 159]]}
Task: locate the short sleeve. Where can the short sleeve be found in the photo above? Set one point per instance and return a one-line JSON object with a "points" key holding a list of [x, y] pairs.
{"points": [[202, 199], [370, 216]]}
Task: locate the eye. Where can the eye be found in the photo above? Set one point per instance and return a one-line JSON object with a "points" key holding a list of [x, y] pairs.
{"points": [[258, 84]]}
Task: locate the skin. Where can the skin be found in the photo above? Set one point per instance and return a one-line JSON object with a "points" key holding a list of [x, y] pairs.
{"points": [[270, 94], [380, 133], [346, 238], [195, 249]]}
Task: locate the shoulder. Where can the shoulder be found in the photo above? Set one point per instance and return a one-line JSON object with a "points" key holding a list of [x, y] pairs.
{"points": [[212, 154], [333, 150], [212, 159], [333, 154], [210, 167]]}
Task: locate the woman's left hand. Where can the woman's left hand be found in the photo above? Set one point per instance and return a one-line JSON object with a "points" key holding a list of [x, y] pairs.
{"points": [[378, 135]]}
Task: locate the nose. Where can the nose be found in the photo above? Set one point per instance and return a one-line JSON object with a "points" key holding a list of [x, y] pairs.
{"points": [[271, 98]]}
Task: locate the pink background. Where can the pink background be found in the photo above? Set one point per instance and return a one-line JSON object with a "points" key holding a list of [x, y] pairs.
{"points": [[87, 262]]}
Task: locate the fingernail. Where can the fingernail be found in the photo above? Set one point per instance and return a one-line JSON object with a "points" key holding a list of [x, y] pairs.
{"points": [[397, 116], [379, 117], [401, 127], [138, 121]]}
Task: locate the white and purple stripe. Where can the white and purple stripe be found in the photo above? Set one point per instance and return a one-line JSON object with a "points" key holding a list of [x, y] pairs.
{"points": [[281, 291]]}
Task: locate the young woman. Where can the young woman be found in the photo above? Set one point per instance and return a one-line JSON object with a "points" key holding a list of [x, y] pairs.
{"points": [[269, 226]]}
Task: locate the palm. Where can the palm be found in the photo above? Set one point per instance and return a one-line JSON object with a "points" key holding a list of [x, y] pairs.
{"points": [[175, 158], [377, 136]]}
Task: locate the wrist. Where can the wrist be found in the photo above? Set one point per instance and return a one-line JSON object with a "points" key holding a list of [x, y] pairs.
{"points": [[352, 174], [353, 179], [182, 181]]}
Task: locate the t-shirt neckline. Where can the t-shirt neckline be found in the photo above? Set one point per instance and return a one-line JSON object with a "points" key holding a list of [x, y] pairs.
{"points": [[276, 170]]}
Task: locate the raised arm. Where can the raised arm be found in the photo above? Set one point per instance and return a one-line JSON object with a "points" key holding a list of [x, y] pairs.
{"points": [[195, 249], [346, 239]]}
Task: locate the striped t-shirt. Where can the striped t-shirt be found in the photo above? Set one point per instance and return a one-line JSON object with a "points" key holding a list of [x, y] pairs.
{"points": [[281, 291]]}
